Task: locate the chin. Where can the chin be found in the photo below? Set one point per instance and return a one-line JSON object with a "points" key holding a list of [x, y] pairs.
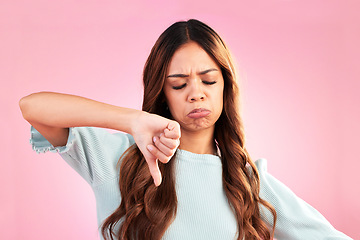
{"points": [[197, 126]]}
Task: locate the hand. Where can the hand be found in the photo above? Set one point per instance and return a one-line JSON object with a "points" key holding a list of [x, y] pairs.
{"points": [[157, 138]]}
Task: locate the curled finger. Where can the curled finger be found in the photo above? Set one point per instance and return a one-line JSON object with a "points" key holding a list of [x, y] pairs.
{"points": [[173, 130], [167, 151], [169, 142], [158, 154]]}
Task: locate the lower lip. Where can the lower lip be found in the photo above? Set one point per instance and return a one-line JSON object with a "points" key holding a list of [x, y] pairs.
{"points": [[198, 114]]}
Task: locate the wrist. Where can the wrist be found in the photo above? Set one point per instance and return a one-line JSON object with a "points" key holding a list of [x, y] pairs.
{"points": [[137, 117]]}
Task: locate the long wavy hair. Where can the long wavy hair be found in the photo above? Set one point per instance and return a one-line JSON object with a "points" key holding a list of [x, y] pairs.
{"points": [[146, 211]]}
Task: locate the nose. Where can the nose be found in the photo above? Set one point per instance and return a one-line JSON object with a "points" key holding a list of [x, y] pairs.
{"points": [[196, 91]]}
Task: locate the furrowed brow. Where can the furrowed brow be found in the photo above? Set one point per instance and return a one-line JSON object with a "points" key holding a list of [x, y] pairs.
{"points": [[178, 75]]}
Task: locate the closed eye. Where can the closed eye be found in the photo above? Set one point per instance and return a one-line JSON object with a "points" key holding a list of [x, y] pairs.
{"points": [[179, 87], [209, 83]]}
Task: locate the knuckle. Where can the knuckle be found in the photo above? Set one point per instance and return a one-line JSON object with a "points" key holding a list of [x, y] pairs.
{"points": [[166, 132], [167, 153], [164, 159], [173, 144]]}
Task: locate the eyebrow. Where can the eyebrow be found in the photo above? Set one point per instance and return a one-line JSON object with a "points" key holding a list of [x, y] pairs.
{"points": [[179, 75]]}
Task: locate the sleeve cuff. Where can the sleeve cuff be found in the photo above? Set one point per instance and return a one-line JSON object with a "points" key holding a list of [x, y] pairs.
{"points": [[41, 145]]}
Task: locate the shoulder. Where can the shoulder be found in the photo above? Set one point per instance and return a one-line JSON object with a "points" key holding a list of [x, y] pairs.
{"points": [[261, 164]]}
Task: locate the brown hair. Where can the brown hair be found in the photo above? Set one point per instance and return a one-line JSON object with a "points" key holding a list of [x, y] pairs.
{"points": [[146, 211]]}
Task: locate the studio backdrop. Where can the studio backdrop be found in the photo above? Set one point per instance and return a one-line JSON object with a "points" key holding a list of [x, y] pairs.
{"points": [[298, 65]]}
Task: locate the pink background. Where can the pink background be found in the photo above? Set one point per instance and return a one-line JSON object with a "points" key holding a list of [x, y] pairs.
{"points": [[299, 68]]}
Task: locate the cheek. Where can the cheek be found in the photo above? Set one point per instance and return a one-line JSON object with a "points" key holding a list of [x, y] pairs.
{"points": [[171, 103], [174, 102], [220, 106], [220, 98], [173, 107]]}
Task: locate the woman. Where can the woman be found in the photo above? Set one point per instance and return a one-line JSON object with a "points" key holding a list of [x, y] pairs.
{"points": [[184, 172]]}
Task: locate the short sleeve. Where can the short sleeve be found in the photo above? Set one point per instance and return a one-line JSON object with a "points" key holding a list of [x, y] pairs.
{"points": [[92, 152], [296, 219]]}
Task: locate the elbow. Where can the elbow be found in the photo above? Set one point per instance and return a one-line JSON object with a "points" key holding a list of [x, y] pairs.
{"points": [[25, 105]]}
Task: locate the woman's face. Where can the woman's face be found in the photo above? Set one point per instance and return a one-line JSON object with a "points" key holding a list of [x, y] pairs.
{"points": [[194, 88]]}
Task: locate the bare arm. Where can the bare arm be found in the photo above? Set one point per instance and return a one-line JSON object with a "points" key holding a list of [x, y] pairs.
{"points": [[52, 114]]}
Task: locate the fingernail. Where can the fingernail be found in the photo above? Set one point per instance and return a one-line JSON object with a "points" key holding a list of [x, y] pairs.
{"points": [[154, 139], [149, 147]]}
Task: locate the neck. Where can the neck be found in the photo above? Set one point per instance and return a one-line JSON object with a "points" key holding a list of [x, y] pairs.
{"points": [[201, 142]]}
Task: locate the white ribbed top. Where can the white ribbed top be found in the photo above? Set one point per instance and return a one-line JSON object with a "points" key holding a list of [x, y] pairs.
{"points": [[203, 210]]}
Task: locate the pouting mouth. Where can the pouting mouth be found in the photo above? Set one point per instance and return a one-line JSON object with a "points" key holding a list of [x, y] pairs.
{"points": [[197, 110]]}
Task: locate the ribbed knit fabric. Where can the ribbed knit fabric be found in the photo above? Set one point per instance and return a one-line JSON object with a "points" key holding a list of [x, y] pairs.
{"points": [[203, 210]]}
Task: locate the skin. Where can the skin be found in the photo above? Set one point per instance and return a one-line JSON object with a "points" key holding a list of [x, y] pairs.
{"points": [[194, 81]]}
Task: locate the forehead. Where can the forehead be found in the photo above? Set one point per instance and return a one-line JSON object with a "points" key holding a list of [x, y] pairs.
{"points": [[191, 57]]}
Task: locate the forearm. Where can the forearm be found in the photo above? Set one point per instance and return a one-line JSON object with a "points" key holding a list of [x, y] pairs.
{"points": [[63, 111]]}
